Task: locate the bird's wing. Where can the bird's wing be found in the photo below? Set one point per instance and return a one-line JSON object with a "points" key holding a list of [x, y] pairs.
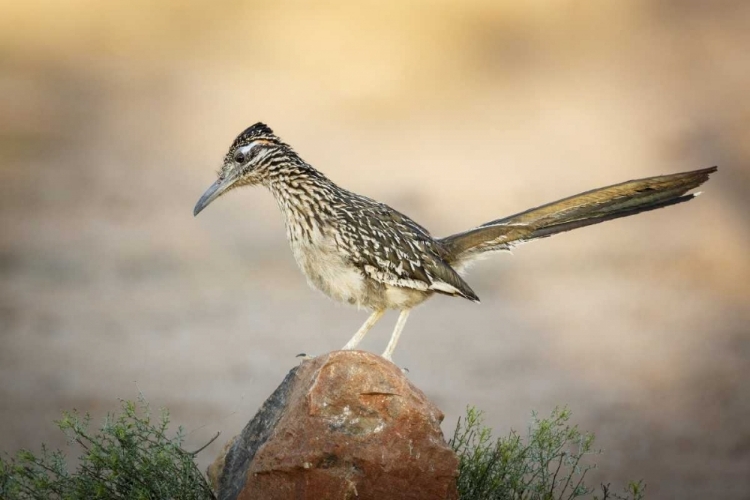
{"points": [[392, 249]]}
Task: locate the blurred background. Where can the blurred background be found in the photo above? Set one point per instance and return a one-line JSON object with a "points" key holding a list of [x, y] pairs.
{"points": [[115, 116]]}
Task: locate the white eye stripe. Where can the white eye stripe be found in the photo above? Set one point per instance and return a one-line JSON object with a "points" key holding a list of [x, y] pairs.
{"points": [[246, 149], [245, 152]]}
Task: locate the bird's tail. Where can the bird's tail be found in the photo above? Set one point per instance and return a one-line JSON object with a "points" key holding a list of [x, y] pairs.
{"points": [[591, 207]]}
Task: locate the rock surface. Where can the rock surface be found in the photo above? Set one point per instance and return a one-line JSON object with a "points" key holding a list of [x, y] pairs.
{"points": [[344, 425]]}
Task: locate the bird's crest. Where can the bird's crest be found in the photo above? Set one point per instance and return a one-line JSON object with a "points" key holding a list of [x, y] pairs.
{"points": [[257, 131]]}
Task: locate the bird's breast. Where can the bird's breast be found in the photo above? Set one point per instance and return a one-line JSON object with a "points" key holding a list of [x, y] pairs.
{"points": [[327, 269]]}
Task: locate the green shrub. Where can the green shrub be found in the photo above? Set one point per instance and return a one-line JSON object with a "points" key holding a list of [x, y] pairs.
{"points": [[130, 457], [549, 464]]}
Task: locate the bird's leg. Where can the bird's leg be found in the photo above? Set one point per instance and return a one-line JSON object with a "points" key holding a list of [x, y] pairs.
{"points": [[374, 317], [396, 334]]}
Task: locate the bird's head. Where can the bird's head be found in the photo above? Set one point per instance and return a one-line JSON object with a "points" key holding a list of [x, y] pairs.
{"points": [[253, 156]]}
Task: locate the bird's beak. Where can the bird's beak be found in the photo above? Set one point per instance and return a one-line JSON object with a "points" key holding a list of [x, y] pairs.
{"points": [[216, 189]]}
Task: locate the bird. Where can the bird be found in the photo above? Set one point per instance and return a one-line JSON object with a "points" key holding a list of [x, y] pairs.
{"points": [[362, 252]]}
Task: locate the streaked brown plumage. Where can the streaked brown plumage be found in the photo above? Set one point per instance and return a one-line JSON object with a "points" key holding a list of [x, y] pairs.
{"points": [[362, 252]]}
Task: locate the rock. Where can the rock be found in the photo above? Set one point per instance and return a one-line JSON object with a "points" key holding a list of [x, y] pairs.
{"points": [[344, 425]]}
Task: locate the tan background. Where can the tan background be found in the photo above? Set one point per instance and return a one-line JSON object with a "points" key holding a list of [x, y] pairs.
{"points": [[114, 117]]}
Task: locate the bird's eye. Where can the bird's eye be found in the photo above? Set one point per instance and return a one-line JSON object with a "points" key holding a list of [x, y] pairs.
{"points": [[239, 157]]}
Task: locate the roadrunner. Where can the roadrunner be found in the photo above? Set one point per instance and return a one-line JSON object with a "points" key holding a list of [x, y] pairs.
{"points": [[362, 252]]}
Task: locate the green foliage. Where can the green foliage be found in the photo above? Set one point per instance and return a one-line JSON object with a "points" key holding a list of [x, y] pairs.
{"points": [[130, 457], [549, 464]]}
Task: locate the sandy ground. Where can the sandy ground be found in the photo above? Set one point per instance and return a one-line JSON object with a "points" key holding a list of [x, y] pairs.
{"points": [[112, 125]]}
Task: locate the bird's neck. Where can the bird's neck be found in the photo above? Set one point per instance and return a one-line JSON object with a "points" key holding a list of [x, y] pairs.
{"points": [[305, 197]]}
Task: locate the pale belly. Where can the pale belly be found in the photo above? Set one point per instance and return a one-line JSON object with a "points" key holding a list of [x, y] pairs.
{"points": [[327, 270]]}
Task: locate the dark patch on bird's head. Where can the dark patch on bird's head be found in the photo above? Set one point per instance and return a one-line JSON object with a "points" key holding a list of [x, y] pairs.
{"points": [[260, 135], [258, 131]]}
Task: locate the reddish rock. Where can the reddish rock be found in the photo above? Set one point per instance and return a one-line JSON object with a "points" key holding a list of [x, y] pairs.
{"points": [[344, 425]]}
